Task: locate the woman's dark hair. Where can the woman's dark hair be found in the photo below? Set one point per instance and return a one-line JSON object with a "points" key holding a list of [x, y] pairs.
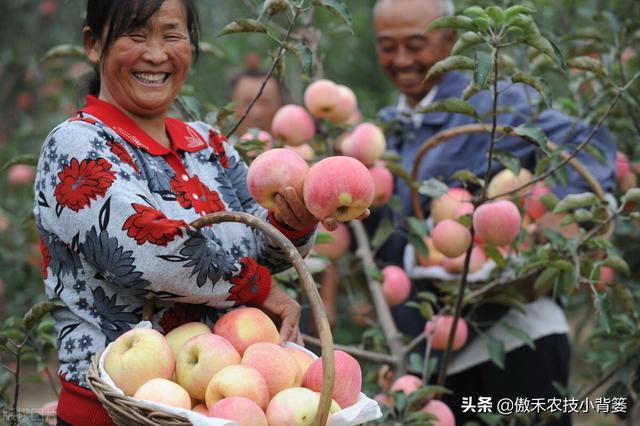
{"points": [[113, 18]]}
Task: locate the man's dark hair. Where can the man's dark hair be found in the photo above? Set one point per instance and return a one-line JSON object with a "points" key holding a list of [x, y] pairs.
{"points": [[113, 18], [255, 73]]}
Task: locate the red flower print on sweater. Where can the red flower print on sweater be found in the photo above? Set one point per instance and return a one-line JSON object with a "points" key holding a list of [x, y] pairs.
{"points": [[179, 314], [197, 195], [216, 140], [81, 182], [151, 225], [252, 281], [46, 258], [124, 156]]}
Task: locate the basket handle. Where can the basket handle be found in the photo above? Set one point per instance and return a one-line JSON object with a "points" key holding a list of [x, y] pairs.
{"points": [[446, 135], [308, 285]]}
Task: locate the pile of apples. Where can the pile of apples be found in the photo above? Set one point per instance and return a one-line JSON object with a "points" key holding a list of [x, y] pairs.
{"points": [[343, 186], [237, 371]]}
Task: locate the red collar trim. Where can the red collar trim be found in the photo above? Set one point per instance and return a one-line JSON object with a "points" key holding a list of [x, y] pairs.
{"points": [[182, 136]]}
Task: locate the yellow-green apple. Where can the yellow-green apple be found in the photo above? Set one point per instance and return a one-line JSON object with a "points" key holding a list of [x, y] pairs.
{"points": [[305, 151], [533, 207], [278, 367], [200, 358], [451, 238], [321, 98], [505, 181], [19, 174], [340, 244], [348, 378], [296, 407], [435, 257], [497, 222], [456, 265], [181, 334], [303, 359], [383, 184], [396, 285], [238, 380], [201, 409], [406, 384], [241, 410], [441, 411], [164, 391], [444, 206], [243, 327], [338, 186], [292, 125], [274, 170], [365, 143], [137, 356], [346, 107], [441, 326]]}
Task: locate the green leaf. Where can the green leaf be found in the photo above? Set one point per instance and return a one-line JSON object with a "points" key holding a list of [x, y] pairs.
{"points": [[550, 200], [373, 273], [575, 201], [475, 12], [418, 244], [416, 361], [452, 106], [496, 351], [491, 419], [495, 255], [587, 63], [457, 62], [596, 153], [519, 334], [28, 159], [508, 160], [559, 55], [471, 90], [425, 308], [418, 227], [497, 14], [418, 398], [541, 44], [567, 282], [518, 9], [243, 26], [433, 188], [428, 296], [527, 24], [457, 22], [618, 264], [484, 65], [398, 170], [338, 8], [304, 55], [323, 238], [535, 134], [538, 84], [383, 232], [271, 7], [481, 23], [545, 281], [466, 40], [468, 176]]}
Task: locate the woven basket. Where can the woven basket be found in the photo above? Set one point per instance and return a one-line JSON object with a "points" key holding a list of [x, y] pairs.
{"points": [[126, 411]]}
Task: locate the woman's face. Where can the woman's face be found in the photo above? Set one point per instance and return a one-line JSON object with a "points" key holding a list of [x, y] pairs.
{"points": [[143, 71]]}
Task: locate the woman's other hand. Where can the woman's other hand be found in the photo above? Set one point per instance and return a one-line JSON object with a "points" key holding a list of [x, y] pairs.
{"points": [[279, 304]]}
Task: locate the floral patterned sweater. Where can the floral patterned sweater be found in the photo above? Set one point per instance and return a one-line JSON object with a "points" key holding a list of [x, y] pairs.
{"points": [[113, 209]]}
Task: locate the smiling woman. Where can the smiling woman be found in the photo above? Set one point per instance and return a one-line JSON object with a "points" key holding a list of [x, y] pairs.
{"points": [[117, 186]]}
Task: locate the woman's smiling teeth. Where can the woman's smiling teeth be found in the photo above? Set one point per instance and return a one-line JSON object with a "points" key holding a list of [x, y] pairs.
{"points": [[151, 78]]}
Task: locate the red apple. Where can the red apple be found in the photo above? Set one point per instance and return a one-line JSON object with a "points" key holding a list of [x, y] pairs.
{"points": [[321, 98], [497, 222], [348, 378], [435, 258], [278, 367], [396, 285], [442, 411], [274, 170], [339, 246], [201, 409], [441, 326], [444, 206], [339, 186], [243, 327], [164, 391], [346, 107], [303, 359], [407, 384], [305, 151], [19, 174], [505, 181], [179, 335], [463, 209], [533, 207], [296, 407], [451, 238], [366, 143], [200, 358], [456, 265], [48, 7], [606, 276], [137, 356], [238, 380], [241, 410], [383, 184], [292, 125]]}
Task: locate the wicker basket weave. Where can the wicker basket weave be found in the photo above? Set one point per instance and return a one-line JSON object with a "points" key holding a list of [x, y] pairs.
{"points": [[126, 411]]}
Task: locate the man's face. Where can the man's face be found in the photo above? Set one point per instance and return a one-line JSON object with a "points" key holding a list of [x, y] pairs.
{"points": [[405, 51], [263, 110]]}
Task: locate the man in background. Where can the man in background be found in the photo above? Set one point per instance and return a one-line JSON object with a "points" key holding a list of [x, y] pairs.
{"points": [[244, 87]]}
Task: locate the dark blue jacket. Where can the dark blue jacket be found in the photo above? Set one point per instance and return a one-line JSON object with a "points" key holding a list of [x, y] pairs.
{"points": [[470, 151]]}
